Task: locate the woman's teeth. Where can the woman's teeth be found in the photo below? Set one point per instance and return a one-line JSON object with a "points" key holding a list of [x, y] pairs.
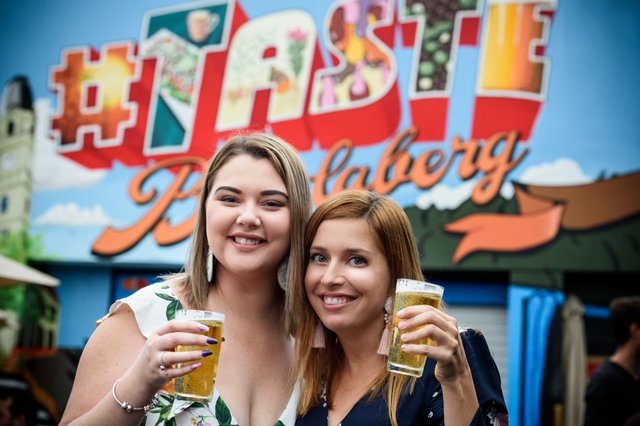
{"points": [[336, 300], [246, 241]]}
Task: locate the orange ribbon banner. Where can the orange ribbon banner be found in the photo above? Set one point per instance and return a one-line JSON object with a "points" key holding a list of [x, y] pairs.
{"points": [[543, 211]]}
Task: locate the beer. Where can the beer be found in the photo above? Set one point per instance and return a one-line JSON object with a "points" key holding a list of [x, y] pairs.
{"points": [[198, 384], [410, 293]]}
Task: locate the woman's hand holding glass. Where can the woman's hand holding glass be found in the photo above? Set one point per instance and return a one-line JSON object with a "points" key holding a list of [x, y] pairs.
{"points": [[158, 360], [427, 322]]}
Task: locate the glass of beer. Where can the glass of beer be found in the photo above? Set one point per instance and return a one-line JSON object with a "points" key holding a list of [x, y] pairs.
{"points": [[410, 293], [198, 384]]}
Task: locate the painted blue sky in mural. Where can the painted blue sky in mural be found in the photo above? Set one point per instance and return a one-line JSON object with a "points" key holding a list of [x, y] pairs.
{"points": [[587, 128]]}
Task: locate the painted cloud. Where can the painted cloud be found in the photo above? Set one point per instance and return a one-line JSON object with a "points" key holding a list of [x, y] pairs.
{"points": [[70, 214], [563, 171]]}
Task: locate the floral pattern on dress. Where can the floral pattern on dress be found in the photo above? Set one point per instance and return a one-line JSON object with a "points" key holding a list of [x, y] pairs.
{"points": [[174, 303]]}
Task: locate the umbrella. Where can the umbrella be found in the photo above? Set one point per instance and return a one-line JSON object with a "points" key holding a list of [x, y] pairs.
{"points": [[574, 359], [12, 272]]}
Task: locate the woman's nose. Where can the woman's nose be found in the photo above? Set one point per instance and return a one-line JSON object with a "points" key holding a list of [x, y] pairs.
{"points": [[333, 275], [248, 216]]}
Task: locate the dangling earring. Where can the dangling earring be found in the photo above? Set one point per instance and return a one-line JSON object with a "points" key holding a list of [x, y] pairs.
{"points": [[383, 348], [209, 266], [283, 269], [318, 336]]}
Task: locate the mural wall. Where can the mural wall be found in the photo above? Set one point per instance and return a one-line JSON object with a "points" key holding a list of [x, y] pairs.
{"points": [[508, 129]]}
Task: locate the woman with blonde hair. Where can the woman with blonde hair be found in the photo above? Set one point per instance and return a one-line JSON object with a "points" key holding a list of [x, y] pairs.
{"points": [[357, 243], [254, 203]]}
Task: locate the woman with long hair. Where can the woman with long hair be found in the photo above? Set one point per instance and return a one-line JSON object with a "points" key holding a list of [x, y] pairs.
{"points": [[357, 243], [253, 206]]}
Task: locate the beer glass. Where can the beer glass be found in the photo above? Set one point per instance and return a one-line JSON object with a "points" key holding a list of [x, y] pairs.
{"points": [[410, 293], [198, 384]]}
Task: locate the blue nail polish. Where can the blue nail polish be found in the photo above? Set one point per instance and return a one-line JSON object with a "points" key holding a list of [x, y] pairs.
{"points": [[211, 341], [206, 353]]}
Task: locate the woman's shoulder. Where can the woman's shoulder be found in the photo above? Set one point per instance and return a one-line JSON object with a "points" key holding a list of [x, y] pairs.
{"points": [[469, 333], [473, 337], [476, 347], [151, 305], [149, 295]]}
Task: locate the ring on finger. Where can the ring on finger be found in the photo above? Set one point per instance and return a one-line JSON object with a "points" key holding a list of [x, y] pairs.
{"points": [[162, 364]]}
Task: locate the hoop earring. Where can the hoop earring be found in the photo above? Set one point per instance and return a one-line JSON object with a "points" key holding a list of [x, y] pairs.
{"points": [[383, 348], [209, 266], [283, 270]]}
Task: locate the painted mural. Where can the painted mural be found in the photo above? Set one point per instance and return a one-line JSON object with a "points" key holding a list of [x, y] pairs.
{"points": [[507, 129]]}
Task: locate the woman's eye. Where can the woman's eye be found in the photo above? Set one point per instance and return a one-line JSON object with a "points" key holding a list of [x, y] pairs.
{"points": [[273, 203], [228, 199], [358, 261], [318, 258]]}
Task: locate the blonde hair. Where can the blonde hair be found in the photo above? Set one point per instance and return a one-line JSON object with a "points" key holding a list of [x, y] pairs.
{"points": [[289, 167], [392, 230]]}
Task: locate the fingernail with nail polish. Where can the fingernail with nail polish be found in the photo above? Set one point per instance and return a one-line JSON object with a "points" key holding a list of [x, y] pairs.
{"points": [[211, 341], [195, 365], [206, 353], [203, 327]]}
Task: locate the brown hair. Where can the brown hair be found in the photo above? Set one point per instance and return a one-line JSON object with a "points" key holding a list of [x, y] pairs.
{"points": [[392, 230]]}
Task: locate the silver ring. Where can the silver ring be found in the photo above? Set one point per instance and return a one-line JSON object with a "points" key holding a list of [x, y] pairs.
{"points": [[162, 365]]}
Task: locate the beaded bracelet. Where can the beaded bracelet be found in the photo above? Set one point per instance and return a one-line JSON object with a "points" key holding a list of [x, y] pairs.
{"points": [[128, 407]]}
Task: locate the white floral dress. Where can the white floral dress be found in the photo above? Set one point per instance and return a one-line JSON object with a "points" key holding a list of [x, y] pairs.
{"points": [[152, 306]]}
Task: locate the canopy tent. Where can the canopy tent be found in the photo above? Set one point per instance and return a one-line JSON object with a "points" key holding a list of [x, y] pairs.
{"points": [[12, 272]]}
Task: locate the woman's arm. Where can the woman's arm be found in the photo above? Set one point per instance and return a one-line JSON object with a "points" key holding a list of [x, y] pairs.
{"points": [[117, 350], [110, 351]]}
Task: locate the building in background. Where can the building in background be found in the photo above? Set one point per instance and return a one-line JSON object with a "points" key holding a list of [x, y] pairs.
{"points": [[17, 122]]}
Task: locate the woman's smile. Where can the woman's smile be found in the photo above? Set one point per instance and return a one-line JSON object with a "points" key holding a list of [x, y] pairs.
{"points": [[337, 300]]}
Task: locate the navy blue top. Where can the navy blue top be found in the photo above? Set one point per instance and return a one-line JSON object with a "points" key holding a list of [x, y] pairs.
{"points": [[425, 406]]}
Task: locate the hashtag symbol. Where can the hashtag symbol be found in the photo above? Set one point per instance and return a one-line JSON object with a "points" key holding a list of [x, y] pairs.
{"points": [[93, 91]]}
